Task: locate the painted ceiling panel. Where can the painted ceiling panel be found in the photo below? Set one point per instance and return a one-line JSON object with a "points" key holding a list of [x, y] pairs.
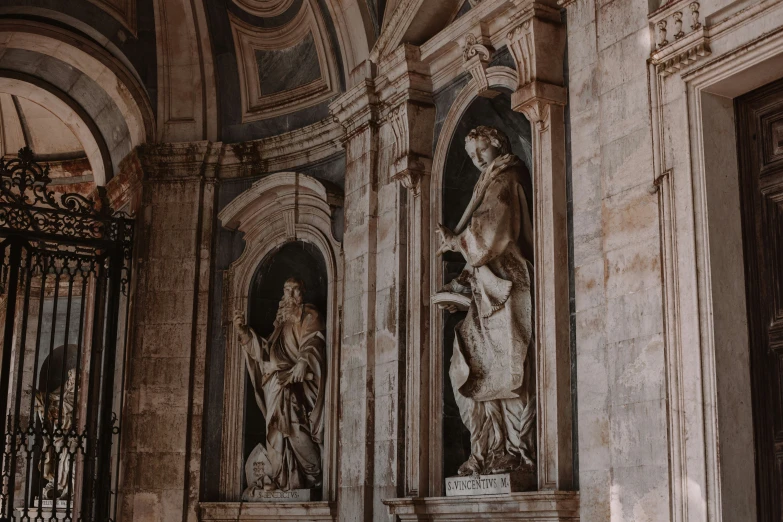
{"points": [[288, 68]]}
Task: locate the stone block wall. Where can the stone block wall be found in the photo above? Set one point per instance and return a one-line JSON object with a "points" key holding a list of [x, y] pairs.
{"points": [[160, 450], [623, 452]]}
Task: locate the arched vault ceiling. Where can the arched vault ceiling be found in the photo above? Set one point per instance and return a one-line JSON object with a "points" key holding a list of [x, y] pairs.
{"points": [[280, 62]]}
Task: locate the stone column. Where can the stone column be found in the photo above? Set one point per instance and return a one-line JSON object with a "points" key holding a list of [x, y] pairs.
{"points": [[537, 43], [405, 89], [160, 449], [357, 112]]}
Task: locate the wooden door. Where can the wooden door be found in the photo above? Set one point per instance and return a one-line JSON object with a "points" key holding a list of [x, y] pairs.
{"points": [[760, 143]]}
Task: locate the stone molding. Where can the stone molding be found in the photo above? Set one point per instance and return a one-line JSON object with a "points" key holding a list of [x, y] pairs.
{"points": [[264, 8], [267, 511], [356, 109], [187, 94], [286, 151], [537, 44], [405, 92], [124, 11], [248, 39], [680, 124], [679, 37], [169, 162], [305, 206], [551, 506], [124, 189]]}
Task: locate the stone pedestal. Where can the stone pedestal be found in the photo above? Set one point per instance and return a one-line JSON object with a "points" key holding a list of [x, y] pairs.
{"points": [[538, 506], [267, 511], [48, 511]]}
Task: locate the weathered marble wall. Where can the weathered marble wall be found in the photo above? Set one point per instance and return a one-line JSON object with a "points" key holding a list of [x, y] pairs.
{"points": [[623, 454], [161, 451]]}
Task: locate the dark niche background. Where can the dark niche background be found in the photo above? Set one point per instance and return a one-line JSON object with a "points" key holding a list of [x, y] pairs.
{"points": [[295, 259], [459, 178]]}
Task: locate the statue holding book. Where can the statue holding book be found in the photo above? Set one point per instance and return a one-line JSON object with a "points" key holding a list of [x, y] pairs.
{"points": [[492, 369]]}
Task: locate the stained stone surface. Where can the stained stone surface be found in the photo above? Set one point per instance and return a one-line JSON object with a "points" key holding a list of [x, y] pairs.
{"points": [[289, 68], [294, 495]]}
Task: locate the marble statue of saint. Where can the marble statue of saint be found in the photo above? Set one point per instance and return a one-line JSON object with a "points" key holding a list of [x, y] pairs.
{"points": [[59, 449], [492, 369], [288, 374]]}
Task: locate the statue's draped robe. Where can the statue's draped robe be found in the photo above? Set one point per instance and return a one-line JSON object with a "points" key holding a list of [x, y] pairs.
{"points": [[492, 368], [291, 456]]}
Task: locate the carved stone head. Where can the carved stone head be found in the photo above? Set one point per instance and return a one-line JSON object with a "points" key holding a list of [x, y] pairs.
{"points": [[484, 144], [294, 289]]}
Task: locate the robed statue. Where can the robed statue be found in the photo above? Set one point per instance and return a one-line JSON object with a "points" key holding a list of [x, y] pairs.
{"points": [[492, 368], [55, 410], [288, 374]]}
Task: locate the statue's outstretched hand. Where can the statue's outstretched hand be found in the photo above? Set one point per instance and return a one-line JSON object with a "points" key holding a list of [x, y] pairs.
{"points": [[447, 240]]}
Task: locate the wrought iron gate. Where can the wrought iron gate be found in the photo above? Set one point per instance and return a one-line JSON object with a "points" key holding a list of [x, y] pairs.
{"points": [[64, 274]]}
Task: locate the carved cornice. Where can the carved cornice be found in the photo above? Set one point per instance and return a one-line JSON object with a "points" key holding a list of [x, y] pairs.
{"points": [[537, 44], [679, 37], [179, 161], [357, 108], [286, 151], [405, 92], [402, 75]]}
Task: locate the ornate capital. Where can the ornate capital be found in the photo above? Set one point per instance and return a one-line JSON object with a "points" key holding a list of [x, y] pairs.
{"points": [[412, 124], [405, 90], [533, 100], [476, 54], [537, 44]]}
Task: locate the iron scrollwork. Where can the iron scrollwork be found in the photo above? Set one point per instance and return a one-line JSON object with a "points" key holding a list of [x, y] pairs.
{"points": [[28, 205]]}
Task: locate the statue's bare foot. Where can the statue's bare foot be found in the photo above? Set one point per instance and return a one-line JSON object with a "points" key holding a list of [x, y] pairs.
{"points": [[268, 484], [469, 467]]}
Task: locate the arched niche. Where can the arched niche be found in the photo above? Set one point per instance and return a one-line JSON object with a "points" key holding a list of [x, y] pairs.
{"points": [[297, 259], [458, 178], [277, 216]]}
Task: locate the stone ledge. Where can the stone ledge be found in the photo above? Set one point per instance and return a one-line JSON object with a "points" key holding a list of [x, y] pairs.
{"points": [[267, 511], [538, 506]]}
